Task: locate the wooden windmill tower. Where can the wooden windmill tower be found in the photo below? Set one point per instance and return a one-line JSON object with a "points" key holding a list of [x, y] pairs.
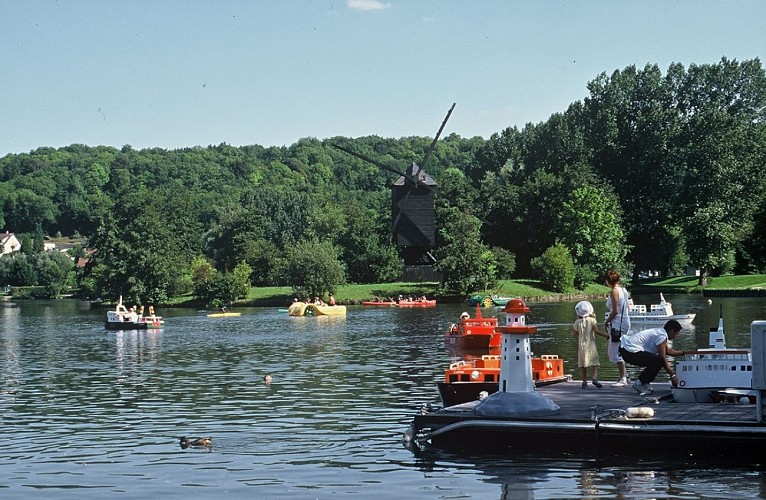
{"points": [[413, 226]]}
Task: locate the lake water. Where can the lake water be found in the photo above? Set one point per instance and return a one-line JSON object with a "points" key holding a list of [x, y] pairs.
{"points": [[88, 413]]}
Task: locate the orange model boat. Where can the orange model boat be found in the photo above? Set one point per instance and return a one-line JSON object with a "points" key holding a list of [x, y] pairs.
{"points": [[473, 334], [465, 380]]}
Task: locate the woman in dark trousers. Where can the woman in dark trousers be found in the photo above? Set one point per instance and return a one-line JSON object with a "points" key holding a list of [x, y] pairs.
{"points": [[649, 348]]}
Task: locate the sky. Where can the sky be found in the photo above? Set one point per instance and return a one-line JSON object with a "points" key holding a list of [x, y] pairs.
{"points": [[175, 74]]}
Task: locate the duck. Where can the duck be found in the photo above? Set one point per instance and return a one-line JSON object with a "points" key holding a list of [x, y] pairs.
{"points": [[201, 442]]}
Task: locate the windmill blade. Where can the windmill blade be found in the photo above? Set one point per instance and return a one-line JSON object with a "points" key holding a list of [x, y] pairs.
{"points": [[368, 159], [433, 143]]}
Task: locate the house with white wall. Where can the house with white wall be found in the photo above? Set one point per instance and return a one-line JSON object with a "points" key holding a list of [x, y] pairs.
{"points": [[9, 243]]}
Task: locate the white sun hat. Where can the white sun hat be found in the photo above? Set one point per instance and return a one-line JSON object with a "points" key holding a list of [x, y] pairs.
{"points": [[584, 308]]}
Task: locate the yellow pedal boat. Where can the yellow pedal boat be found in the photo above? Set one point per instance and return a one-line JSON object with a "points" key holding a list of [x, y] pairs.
{"points": [[304, 309]]}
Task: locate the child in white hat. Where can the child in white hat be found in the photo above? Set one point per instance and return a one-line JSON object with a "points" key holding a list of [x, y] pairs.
{"points": [[585, 329]]}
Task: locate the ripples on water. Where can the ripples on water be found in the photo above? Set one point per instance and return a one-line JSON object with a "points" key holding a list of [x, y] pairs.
{"points": [[89, 413]]}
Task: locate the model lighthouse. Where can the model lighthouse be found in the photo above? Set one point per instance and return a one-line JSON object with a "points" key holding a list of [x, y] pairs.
{"points": [[516, 396], [516, 366]]}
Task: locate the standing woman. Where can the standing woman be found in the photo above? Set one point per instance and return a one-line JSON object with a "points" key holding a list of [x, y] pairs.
{"points": [[617, 322]]}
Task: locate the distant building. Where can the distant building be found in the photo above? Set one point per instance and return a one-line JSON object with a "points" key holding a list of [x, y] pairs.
{"points": [[9, 243]]}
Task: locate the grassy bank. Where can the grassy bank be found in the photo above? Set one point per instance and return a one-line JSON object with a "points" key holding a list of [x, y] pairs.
{"points": [[531, 290], [354, 294], [689, 284]]}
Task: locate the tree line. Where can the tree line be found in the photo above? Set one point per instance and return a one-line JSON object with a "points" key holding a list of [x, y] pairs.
{"points": [[650, 171]]}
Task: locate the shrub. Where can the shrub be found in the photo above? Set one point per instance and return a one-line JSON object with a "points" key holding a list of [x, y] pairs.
{"points": [[555, 268]]}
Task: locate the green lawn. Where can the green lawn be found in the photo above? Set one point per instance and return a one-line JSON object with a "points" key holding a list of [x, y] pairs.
{"points": [[280, 296], [689, 284], [529, 289]]}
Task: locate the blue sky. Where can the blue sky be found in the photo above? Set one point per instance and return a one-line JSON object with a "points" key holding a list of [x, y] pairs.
{"points": [[174, 74]]}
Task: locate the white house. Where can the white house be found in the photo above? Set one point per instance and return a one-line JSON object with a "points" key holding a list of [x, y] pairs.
{"points": [[9, 243]]}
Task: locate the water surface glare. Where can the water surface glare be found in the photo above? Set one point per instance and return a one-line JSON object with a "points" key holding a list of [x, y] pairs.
{"points": [[88, 413]]}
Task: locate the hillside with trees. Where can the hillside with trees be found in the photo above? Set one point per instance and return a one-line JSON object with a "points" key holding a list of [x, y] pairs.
{"points": [[651, 171]]}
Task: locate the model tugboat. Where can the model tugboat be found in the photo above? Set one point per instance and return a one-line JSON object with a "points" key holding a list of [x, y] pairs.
{"points": [[473, 378], [473, 334]]}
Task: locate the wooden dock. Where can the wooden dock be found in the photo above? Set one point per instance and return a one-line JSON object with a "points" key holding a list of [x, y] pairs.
{"points": [[592, 421]]}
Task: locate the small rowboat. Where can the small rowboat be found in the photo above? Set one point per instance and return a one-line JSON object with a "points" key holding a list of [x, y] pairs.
{"points": [[378, 302]]}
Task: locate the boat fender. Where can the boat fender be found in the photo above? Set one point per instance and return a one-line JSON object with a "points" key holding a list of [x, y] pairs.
{"points": [[639, 412]]}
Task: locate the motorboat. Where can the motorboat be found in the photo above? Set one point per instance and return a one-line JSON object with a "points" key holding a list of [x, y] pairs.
{"points": [[657, 315], [715, 373], [473, 333], [472, 378], [310, 309], [122, 318]]}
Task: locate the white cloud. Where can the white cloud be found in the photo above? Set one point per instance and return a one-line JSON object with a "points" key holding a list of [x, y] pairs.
{"points": [[367, 5]]}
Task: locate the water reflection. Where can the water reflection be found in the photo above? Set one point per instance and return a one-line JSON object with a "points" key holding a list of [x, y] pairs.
{"points": [[536, 476], [93, 412]]}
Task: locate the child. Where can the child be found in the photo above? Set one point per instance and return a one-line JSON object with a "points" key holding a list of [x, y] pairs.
{"points": [[586, 329]]}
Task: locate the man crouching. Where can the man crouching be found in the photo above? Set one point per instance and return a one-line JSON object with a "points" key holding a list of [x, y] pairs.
{"points": [[649, 348]]}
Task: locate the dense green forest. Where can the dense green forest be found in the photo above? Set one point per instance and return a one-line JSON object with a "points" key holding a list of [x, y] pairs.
{"points": [[651, 171]]}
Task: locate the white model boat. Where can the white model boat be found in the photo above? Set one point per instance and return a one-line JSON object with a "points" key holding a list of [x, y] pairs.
{"points": [[657, 315], [715, 374]]}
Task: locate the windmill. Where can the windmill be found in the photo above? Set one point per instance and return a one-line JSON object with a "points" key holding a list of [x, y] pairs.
{"points": [[413, 224]]}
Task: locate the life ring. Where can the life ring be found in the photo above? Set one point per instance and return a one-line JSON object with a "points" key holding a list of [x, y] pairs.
{"points": [[549, 367], [453, 329]]}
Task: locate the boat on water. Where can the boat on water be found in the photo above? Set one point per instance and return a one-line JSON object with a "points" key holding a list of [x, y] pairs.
{"points": [[473, 334], [470, 379], [417, 303], [657, 315], [309, 309], [222, 314], [123, 318], [379, 302], [716, 373], [499, 301], [488, 300]]}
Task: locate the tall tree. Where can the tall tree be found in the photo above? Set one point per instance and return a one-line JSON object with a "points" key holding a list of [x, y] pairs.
{"points": [[590, 226], [723, 109], [466, 264]]}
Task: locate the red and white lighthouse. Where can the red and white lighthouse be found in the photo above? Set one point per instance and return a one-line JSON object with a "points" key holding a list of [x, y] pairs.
{"points": [[516, 397], [516, 365]]}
